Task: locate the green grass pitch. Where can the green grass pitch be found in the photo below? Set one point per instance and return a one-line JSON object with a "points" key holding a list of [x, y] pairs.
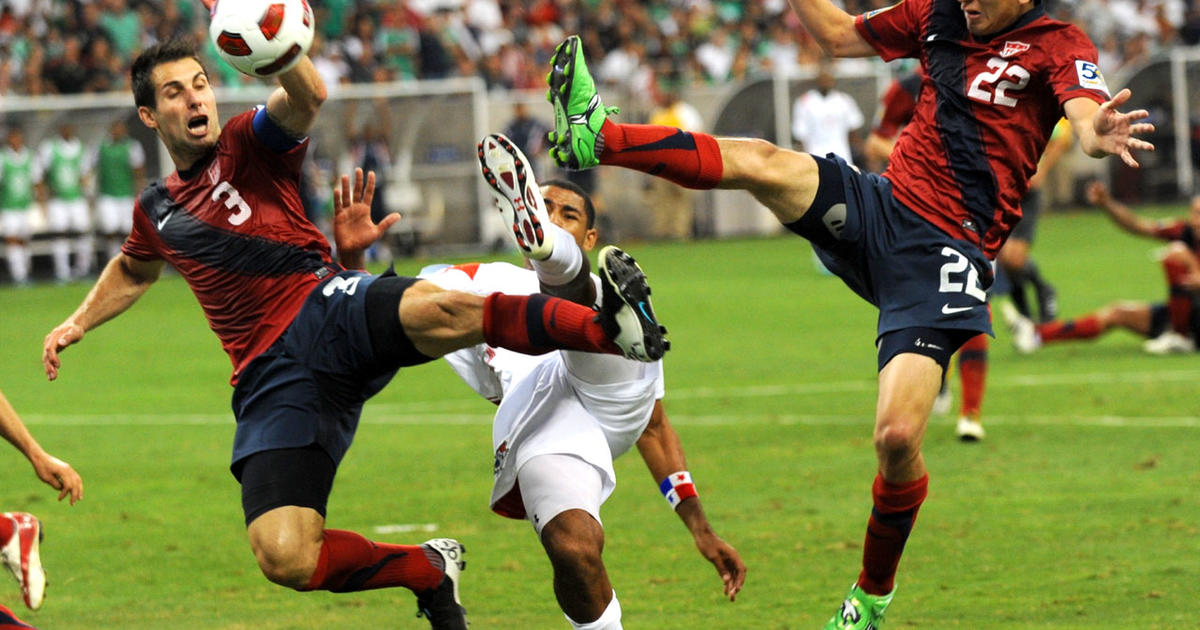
{"points": [[1080, 510]]}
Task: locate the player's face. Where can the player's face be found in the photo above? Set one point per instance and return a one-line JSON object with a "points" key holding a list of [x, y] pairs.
{"points": [[185, 110], [566, 210], [985, 17]]}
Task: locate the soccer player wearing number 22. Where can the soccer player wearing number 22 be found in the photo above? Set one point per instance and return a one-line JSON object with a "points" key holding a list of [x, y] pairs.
{"points": [[916, 241]]}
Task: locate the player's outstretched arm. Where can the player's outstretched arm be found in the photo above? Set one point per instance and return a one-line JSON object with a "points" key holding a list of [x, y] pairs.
{"points": [[294, 106], [1097, 195], [353, 229], [1103, 130], [56, 473], [832, 27], [122, 282], [661, 449]]}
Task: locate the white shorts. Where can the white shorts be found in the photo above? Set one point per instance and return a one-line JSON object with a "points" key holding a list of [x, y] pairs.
{"points": [[68, 216], [16, 224], [114, 215], [553, 484], [550, 411]]}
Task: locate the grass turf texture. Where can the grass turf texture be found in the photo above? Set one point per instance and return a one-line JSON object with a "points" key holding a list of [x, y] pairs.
{"points": [[1080, 510]]}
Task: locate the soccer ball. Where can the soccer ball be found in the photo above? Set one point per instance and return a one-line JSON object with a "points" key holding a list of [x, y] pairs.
{"points": [[261, 38]]}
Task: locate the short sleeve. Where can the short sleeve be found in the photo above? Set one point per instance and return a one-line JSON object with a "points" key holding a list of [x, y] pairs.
{"points": [[1074, 72], [894, 32], [139, 244]]}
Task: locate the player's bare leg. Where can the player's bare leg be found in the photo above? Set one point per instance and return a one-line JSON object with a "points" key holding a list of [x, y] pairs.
{"points": [[574, 541], [584, 136], [286, 541], [908, 385]]}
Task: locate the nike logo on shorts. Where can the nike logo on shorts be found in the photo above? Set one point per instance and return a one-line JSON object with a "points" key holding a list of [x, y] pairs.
{"points": [[951, 310]]}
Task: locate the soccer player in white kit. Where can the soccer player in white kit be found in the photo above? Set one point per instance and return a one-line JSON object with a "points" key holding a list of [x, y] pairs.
{"points": [[563, 417]]}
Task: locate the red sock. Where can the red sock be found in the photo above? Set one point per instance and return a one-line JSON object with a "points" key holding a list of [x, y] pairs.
{"points": [[350, 562], [972, 372], [537, 324], [7, 527], [1179, 302], [1086, 327], [896, 506], [692, 160], [9, 619]]}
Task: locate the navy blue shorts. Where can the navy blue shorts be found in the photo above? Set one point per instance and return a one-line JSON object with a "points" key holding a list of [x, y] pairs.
{"points": [[917, 275], [310, 385]]}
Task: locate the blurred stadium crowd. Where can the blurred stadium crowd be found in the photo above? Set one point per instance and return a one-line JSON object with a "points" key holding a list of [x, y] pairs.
{"points": [[75, 46]]}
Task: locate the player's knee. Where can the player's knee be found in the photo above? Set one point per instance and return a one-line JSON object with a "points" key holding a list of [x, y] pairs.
{"points": [[574, 541], [286, 563], [439, 321], [898, 436]]}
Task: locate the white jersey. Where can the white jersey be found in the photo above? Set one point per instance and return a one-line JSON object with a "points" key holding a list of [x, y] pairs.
{"points": [[823, 122], [592, 406]]}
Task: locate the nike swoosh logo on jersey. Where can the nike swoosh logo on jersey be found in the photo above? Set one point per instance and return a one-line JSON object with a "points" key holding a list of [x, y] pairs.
{"points": [[950, 310], [166, 217]]}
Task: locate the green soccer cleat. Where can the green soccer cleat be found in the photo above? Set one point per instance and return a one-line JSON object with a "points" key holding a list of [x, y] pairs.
{"points": [[578, 110], [860, 611]]}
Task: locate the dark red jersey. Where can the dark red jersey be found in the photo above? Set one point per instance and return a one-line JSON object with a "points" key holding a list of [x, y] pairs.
{"points": [[985, 111], [234, 228], [1179, 230], [899, 103]]}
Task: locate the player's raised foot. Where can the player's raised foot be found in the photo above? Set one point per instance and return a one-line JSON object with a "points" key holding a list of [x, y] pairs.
{"points": [[969, 429], [441, 605], [22, 558], [860, 611], [578, 111], [625, 311], [510, 176], [1169, 342], [1025, 335]]}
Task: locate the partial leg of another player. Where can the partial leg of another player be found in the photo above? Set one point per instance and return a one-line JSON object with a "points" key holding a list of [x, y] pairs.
{"points": [[20, 541], [562, 495], [972, 370]]}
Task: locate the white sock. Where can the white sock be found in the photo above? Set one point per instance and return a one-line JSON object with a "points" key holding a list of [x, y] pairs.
{"points": [[18, 262], [60, 251], [610, 619], [565, 261]]}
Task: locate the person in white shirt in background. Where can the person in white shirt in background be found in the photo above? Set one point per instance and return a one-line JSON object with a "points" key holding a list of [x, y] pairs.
{"points": [[823, 118]]}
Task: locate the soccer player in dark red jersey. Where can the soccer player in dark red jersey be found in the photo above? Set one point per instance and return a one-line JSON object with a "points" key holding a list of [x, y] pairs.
{"points": [[309, 341], [916, 241], [1171, 326]]}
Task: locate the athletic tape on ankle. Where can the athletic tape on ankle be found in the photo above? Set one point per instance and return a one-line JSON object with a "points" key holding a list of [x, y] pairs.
{"points": [[677, 487]]}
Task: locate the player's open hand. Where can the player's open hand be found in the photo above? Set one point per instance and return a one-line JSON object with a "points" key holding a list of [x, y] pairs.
{"points": [[728, 563], [64, 335], [1115, 130], [58, 475], [353, 229]]}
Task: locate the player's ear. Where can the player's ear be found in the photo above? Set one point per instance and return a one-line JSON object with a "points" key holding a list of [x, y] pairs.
{"points": [[589, 240], [148, 117]]}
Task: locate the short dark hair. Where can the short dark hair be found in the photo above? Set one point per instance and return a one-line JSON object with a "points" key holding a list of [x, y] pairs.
{"points": [[588, 208], [163, 52]]}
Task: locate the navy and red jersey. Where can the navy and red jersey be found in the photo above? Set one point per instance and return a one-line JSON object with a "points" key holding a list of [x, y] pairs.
{"points": [[234, 228], [985, 111], [1181, 231], [899, 103]]}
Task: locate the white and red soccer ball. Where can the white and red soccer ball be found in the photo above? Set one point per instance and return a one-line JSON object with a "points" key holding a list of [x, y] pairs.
{"points": [[262, 38]]}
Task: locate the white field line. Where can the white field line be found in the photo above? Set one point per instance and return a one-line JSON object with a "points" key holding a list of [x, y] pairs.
{"points": [[472, 412]]}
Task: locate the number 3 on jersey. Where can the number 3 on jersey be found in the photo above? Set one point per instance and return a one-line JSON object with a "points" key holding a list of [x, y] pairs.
{"points": [[950, 276], [233, 199], [985, 87]]}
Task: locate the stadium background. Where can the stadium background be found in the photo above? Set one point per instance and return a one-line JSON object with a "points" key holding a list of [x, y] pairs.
{"points": [[1079, 511]]}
